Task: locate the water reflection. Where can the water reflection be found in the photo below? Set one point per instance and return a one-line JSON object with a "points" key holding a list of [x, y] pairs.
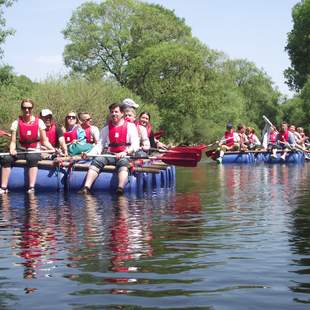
{"points": [[227, 235]]}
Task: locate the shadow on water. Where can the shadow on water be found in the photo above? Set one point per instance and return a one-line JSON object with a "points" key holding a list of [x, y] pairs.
{"points": [[225, 237]]}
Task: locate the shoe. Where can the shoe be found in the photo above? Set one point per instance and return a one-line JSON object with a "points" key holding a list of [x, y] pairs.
{"points": [[119, 191], [282, 157], [219, 160], [30, 190], [273, 156], [84, 190], [3, 191]]}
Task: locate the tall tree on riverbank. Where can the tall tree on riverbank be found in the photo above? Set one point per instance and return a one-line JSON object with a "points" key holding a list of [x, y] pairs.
{"points": [[298, 46], [105, 37]]}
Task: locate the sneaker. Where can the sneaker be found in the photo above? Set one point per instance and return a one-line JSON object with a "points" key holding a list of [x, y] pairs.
{"points": [[219, 160], [30, 190], [273, 156], [119, 191], [3, 191], [84, 190], [282, 157]]}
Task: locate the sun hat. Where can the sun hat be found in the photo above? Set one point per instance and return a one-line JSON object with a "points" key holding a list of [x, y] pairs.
{"points": [[129, 103], [46, 112]]}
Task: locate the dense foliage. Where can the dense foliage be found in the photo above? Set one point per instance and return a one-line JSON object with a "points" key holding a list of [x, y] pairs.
{"points": [[298, 46]]}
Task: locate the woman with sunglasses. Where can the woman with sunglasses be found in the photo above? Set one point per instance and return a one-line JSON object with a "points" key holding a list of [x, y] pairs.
{"points": [[91, 131], [75, 136], [28, 130]]}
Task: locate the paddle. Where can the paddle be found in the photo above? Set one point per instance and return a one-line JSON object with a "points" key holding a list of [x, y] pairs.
{"points": [[29, 152], [176, 159]]}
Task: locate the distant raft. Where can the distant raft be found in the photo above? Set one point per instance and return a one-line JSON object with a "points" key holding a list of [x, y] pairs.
{"points": [[252, 157], [71, 176]]}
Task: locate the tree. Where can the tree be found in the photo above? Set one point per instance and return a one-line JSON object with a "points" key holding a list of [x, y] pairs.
{"points": [[4, 33], [105, 37], [298, 47]]}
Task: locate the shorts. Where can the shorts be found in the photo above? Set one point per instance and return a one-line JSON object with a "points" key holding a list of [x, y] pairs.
{"points": [[99, 162], [32, 159]]}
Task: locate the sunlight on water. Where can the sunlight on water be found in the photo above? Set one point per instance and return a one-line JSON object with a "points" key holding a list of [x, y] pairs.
{"points": [[225, 238]]}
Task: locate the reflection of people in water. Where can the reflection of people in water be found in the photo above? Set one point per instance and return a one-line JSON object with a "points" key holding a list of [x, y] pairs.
{"points": [[130, 239], [37, 240]]}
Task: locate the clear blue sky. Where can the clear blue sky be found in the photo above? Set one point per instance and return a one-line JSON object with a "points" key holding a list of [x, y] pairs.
{"points": [[255, 30]]}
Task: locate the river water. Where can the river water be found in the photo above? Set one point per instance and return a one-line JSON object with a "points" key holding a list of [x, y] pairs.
{"points": [[226, 237]]}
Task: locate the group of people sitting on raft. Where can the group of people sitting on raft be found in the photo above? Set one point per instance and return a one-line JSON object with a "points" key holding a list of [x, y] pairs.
{"points": [[286, 138], [122, 136]]}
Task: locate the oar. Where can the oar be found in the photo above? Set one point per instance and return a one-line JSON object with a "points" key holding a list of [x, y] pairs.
{"points": [[29, 152], [176, 159]]}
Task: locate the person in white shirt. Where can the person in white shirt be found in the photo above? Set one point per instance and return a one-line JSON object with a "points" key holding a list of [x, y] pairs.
{"points": [[120, 139]]}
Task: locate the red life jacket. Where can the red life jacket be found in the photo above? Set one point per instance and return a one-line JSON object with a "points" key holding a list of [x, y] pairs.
{"points": [[272, 137], [89, 138], [229, 138], [51, 134], [118, 137], [70, 135], [283, 136], [28, 133]]}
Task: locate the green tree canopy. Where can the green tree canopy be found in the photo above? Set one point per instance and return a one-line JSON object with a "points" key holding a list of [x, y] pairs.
{"points": [[4, 32], [298, 46], [105, 37]]}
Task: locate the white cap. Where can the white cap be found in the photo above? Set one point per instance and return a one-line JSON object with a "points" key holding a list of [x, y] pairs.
{"points": [[129, 103], [46, 112]]}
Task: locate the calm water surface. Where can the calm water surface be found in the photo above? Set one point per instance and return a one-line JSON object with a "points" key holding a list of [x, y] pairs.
{"points": [[226, 237]]}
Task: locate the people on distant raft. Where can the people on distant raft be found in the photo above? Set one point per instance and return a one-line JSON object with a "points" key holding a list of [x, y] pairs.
{"points": [[243, 140], [91, 131], [120, 139], [285, 140], [145, 120], [130, 116], [299, 141], [253, 141], [269, 139], [53, 131], [28, 130], [229, 142], [75, 136]]}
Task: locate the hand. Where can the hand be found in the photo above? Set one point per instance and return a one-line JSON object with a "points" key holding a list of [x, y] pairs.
{"points": [[13, 152], [84, 155], [120, 155]]}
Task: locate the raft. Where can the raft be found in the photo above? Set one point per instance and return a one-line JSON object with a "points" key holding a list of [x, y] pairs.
{"points": [[71, 177], [253, 157]]}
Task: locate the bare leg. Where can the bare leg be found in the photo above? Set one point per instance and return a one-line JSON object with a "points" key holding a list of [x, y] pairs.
{"points": [[5, 172], [32, 173], [90, 178], [122, 177]]}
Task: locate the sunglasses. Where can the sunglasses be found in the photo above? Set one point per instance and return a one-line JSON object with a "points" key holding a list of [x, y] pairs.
{"points": [[27, 108], [87, 119], [70, 117]]}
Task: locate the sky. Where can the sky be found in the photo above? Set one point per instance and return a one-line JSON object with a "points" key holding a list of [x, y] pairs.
{"points": [[255, 30]]}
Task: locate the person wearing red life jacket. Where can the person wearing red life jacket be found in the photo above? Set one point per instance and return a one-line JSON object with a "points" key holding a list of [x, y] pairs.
{"points": [[285, 141], [269, 138], [243, 139], [145, 120], [91, 131], [28, 130], [229, 142], [121, 139], [142, 132], [75, 136], [253, 141], [53, 131]]}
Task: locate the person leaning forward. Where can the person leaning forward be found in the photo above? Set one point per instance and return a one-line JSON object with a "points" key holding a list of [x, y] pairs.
{"points": [[28, 130], [120, 139]]}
